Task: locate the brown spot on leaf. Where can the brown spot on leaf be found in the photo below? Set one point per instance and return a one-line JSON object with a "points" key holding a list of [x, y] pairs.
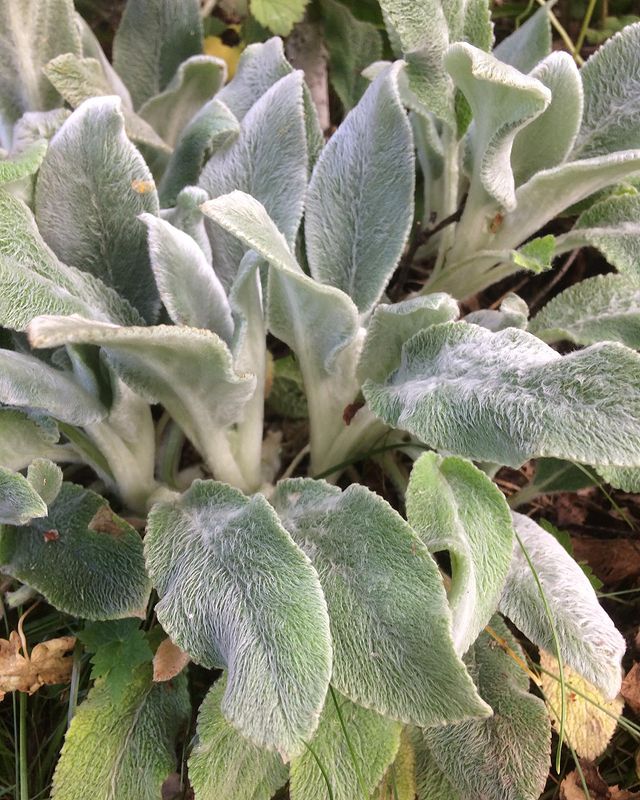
{"points": [[51, 536], [105, 521], [142, 187]]}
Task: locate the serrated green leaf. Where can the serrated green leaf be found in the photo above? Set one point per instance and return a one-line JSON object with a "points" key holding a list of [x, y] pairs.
{"points": [[391, 626], [24, 163], [84, 559], [225, 764], [603, 308], [536, 255], [235, 591], [353, 765], [46, 478], [122, 751], [19, 501], [90, 218], [507, 397], [528, 44], [588, 639], [611, 119], [195, 82], [359, 206], [153, 39], [453, 506], [278, 16]]}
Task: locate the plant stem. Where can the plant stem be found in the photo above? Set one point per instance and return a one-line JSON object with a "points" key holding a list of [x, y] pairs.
{"points": [[585, 24], [24, 766]]}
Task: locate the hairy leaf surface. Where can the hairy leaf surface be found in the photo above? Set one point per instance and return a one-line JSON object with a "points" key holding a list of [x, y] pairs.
{"points": [[24, 163], [46, 478], [19, 500], [528, 44]]}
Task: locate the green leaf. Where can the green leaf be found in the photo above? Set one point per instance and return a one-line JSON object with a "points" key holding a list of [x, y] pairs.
{"points": [[34, 282], [196, 81], [603, 308], [548, 140], [390, 622], [125, 750], [225, 764], [392, 325], [359, 206], [512, 313], [24, 163], [503, 102], [91, 48], [553, 475], [235, 591], [188, 217], [159, 363], [536, 255], [611, 119], [287, 396], [32, 32], [588, 639], [431, 782], [507, 397], [19, 501], [188, 286], [25, 436], [352, 45], [118, 647], [46, 478], [90, 218], [355, 747], [399, 782], [278, 15], [625, 478], [505, 757], [528, 44], [453, 506], [271, 142], [84, 559], [36, 125], [153, 39]]}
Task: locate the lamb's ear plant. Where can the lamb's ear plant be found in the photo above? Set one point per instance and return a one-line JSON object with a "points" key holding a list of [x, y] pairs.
{"points": [[156, 223]]}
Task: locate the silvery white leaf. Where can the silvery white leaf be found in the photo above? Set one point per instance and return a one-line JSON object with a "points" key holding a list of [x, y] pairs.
{"points": [[529, 43], [19, 501]]}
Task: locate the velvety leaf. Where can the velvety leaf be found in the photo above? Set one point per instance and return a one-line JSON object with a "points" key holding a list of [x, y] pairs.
{"points": [[36, 125], [359, 206], [603, 308], [372, 744], [81, 570], [553, 475], [278, 15], [188, 217], [33, 281], [225, 764], [512, 313], [392, 325], [213, 127], [399, 782], [153, 39], [23, 164], [390, 622], [503, 102], [195, 82], [589, 641], [528, 44], [352, 45], [455, 507], [611, 78], [46, 478], [625, 478], [271, 143], [431, 782], [159, 363], [507, 397], [505, 757], [31, 33], [548, 139], [91, 48], [91, 187], [19, 501], [235, 591], [25, 436], [188, 286], [122, 751]]}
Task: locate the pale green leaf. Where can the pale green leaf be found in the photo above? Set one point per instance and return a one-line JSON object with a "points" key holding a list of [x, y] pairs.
{"points": [[84, 559], [455, 507], [278, 15], [512, 313], [431, 782], [196, 81], [611, 79], [153, 39], [91, 48], [188, 217], [507, 397], [528, 44], [225, 764], [399, 782], [19, 500], [24, 163], [46, 478], [36, 125], [235, 591], [359, 206], [625, 478], [91, 187], [123, 751], [390, 622], [536, 255], [271, 143], [588, 639], [188, 286], [25, 436], [372, 744], [392, 325], [603, 308], [505, 757], [503, 102]]}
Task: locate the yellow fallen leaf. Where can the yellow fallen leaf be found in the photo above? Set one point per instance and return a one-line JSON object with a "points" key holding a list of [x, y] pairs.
{"points": [[588, 729], [168, 661], [229, 52], [48, 663]]}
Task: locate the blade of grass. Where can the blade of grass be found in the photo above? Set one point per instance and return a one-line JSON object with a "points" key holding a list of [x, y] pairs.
{"points": [[356, 765], [321, 768]]}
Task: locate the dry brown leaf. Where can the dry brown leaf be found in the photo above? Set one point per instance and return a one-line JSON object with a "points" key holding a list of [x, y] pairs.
{"points": [[571, 786], [48, 663], [612, 560], [631, 688], [168, 661]]}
